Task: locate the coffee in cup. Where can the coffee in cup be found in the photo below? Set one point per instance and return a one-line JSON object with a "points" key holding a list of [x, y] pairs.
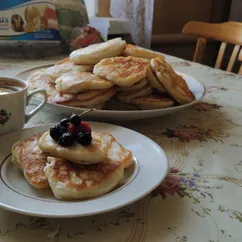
{"points": [[13, 101]]}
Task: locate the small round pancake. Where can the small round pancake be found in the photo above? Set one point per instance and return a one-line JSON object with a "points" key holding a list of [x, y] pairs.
{"points": [[38, 79], [135, 87], [152, 102], [127, 97], [154, 82], [119, 154], [94, 153], [27, 155], [92, 54], [133, 50], [123, 71], [85, 99], [69, 181], [175, 85], [76, 82], [57, 70]]}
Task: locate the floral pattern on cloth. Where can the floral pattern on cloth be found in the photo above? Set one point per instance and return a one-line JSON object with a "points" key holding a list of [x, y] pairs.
{"points": [[200, 199], [140, 18], [204, 106], [190, 133], [202, 194]]}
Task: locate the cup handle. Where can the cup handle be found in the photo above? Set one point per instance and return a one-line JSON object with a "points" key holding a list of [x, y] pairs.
{"points": [[29, 115]]}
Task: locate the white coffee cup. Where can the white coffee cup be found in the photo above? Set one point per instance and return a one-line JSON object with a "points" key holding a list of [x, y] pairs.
{"points": [[13, 100]]}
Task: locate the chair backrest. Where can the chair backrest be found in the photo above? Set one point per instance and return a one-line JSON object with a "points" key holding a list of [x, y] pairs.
{"points": [[227, 33], [240, 59]]}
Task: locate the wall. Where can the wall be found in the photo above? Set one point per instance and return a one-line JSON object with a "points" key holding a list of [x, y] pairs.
{"points": [[169, 18]]}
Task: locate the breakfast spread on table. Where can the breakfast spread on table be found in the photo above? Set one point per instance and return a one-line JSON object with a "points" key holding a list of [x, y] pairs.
{"points": [[72, 160], [113, 71]]}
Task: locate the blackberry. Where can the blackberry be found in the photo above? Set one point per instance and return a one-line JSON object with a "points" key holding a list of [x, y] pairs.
{"points": [[66, 139], [84, 138], [56, 132]]}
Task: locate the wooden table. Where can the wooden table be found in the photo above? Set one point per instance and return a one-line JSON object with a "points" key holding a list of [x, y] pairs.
{"points": [[201, 198]]}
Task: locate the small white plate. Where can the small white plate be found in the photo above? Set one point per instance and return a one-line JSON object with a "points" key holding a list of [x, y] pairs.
{"points": [[146, 174], [198, 89]]}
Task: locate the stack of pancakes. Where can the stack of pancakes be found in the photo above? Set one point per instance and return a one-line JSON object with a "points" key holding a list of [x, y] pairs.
{"points": [[75, 172], [91, 76], [128, 74]]}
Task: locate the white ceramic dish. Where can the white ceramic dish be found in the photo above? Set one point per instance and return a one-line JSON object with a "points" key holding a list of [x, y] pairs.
{"points": [[146, 174], [195, 86]]}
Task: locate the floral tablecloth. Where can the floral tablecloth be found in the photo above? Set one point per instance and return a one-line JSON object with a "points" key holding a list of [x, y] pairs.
{"points": [[199, 201]]}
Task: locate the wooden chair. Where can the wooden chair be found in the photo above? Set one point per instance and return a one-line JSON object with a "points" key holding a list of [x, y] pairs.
{"points": [[240, 59], [227, 33]]}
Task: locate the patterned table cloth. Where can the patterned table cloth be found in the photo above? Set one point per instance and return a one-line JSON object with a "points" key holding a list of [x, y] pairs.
{"points": [[199, 201]]}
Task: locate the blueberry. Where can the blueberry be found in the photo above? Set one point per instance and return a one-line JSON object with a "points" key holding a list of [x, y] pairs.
{"points": [[66, 139], [64, 122], [56, 132], [75, 119], [84, 138]]}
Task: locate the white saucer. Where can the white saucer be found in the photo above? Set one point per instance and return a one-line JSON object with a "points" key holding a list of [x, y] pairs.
{"points": [[147, 173]]}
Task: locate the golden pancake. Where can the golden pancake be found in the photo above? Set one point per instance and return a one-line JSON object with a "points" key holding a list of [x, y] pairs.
{"points": [[57, 70], [28, 156], [70, 181], [76, 82], [94, 153], [123, 71], [132, 50], [135, 87], [85, 99], [96, 52], [175, 85], [119, 154], [153, 102], [154, 82], [38, 79], [127, 97]]}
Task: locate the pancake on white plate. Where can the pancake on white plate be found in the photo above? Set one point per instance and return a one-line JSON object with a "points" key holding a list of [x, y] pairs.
{"points": [[123, 71], [70, 181], [38, 79], [86, 99], [76, 82], [118, 153], [127, 97], [153, 102], [136, 51], [27, 155], [175, 85], [153, 81], [57, 70], [135, 87], [94, 153], [96, 52]]}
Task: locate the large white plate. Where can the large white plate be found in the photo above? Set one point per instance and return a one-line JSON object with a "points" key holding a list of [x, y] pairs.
{"points": [[195, 86], [147, 173]]}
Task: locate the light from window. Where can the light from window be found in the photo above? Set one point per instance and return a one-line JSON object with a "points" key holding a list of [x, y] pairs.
{"points": [[91, 7]]}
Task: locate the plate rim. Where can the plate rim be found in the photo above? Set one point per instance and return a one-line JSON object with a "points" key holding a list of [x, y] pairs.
{"points": [[46, 215], [106, 111]]}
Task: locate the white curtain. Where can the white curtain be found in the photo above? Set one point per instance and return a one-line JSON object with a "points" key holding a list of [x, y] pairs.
{"points": [[140, 16]]}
